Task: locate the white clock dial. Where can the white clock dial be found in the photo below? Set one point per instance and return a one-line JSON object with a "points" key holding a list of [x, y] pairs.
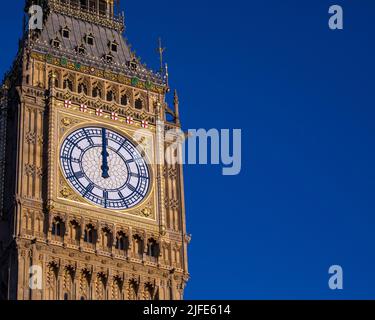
{"points": [[105, 168]]}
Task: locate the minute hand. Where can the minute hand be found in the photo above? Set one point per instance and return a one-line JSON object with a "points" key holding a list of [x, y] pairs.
{"points": [[105, 155]]}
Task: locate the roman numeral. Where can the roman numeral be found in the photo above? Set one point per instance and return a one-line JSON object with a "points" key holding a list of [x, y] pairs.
{"points": [[89, 188], [129, 161], [88, 138], [131, 188], [135, 175], [79, 175], [121, 146], [105, 196], [70, 159], [74, 144], [122, 197]]}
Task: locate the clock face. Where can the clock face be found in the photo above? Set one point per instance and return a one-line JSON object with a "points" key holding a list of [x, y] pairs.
{"points": [[105, 168]]}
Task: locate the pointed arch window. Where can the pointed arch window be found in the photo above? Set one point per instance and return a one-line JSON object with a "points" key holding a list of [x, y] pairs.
{"points": [[111, 96], [75, 231], [96, 92], [107, 239], [58, 228], [68, 84], [90, 234], [138, 104], [124, 99], [82, 88], [153, 250], [138, 247], [122, 241]]}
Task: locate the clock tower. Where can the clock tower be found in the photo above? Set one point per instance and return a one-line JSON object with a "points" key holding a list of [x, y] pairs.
{"points": [[90, 208]]}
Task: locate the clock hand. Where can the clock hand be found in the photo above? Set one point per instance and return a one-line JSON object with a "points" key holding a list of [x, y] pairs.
{"points": [[105, 167]]}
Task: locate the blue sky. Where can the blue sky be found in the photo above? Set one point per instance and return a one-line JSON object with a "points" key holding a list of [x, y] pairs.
{"points": [[304, 97]]}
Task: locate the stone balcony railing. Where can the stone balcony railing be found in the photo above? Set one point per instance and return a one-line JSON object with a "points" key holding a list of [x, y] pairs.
{"points": [[105, 19]]}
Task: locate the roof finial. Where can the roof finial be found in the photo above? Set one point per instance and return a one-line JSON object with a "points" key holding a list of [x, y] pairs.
{"points": [[176, 107], [161, 53], [167, 76]]}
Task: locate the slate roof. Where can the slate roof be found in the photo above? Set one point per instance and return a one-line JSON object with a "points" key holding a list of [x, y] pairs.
{"points": [[94, 54], [79, 29]]}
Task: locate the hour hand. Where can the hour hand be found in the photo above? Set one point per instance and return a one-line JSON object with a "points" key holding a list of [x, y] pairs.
{"points": [[105, 167]]}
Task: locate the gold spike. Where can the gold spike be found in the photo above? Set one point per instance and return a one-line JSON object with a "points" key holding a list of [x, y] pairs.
{"points": [[161, 51], [176, 107]]}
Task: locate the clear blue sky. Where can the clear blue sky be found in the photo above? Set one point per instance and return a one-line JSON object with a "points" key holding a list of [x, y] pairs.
{"points": [[304, 97]]}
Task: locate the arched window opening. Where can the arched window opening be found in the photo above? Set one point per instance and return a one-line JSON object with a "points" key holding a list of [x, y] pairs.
{"points": [[124, 100], [153, 249], [106, 239], [122, 242], [51, 285], [118, 284], [90, 234], [148, 292], [101, 284], [138, 247], [133, 290], [96, 92], [82, 88], [75, 231], [68, 84], [139, 104], [111, 96], [57, 227]]}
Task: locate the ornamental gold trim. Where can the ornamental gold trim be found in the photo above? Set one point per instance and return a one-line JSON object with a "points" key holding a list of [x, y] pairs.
{"points": [[100, 73]]}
